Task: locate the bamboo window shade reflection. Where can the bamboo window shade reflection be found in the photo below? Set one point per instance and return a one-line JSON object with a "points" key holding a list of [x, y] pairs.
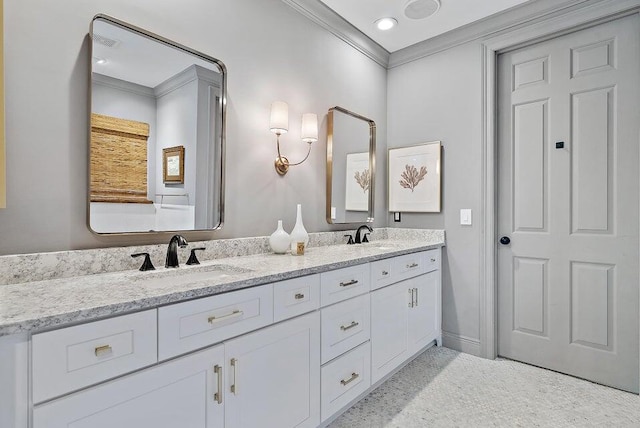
{"points": [[118, 160]]}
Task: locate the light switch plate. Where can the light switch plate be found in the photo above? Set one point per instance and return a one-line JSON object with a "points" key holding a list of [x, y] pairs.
{"points": [[465, 217]]}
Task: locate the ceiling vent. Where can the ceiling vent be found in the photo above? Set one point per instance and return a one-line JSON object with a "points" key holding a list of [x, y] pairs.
{"points": [[110, 43], [420, 9]]}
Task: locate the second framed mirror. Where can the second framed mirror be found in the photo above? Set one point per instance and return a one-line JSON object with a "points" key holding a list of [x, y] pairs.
{"points": [[351, 161]]}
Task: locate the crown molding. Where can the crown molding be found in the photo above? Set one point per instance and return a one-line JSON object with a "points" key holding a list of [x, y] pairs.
{"points": [[322, 15], [511, 19], [529, 13], [122, 85]]}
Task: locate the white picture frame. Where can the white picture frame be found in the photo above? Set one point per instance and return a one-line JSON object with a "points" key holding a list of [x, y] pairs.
{"points": [[357, 182], [414, 178]]}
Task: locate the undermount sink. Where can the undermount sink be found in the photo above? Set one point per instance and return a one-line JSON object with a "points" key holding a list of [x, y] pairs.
{"points": [[188, 274], [386, 246]]}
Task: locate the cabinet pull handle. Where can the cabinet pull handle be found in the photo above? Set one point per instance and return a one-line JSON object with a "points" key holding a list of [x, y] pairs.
{"points": [[411, 292], [299, 296], [218, 395], [102, 350], [412, 265], [385, 273], [353, 377], [416, 294], [234, 387], [433, 260], [350, 326], [236, 313], [346, 284]]}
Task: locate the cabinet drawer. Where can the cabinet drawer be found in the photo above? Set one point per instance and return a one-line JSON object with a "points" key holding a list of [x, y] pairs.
{"points": [[408, 266], [344, 379], [186, 326], [71, 358], [344, 326], [381, 274], [432, 260], [342, 284], [295, 297]]}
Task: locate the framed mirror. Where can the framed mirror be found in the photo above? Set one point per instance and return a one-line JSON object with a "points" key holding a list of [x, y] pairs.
{"points": [[351, 162], [157, 133]]}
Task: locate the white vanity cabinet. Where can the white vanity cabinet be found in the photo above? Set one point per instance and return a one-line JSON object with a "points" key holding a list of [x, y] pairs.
{"points": [[269, 378], [178, 393], [293, 353], [405, 316]]}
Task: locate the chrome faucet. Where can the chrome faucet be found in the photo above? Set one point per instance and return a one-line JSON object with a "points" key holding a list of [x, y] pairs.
{"points": [[172, 252], [359, 240]]}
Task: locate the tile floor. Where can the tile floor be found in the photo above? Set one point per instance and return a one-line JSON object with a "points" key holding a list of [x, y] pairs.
{"points": [[445, 388]]}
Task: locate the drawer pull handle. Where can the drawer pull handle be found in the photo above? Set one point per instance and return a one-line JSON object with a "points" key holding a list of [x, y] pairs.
{"points": [[234, 314], [299, 296], [412, 265], [385, 273], [234, 387], [433, 260], [218, 395], [102, 350], [353, 377], [346, 284], [350, 326]]}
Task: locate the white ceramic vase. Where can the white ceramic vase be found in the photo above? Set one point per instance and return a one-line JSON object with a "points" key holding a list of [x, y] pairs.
{"points": [[279, 240], [299, 233]]}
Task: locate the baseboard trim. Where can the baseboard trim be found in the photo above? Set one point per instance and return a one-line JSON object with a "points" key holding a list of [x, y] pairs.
{"points": [[464, 344]]}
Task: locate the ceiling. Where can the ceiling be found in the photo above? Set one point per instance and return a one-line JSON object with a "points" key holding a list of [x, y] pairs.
{"points": [[451, 14], [137, 59]]}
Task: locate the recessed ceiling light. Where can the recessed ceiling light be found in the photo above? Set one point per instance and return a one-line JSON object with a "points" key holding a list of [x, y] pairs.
{"points": [[420, 9], [384, 24]]}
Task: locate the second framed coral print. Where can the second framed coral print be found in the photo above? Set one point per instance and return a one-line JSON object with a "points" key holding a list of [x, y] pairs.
{"points": [[358, 182], [414, 178]]}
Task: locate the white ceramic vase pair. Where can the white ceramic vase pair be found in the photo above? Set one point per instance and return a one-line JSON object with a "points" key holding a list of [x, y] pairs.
{"points": [[281, 242]]}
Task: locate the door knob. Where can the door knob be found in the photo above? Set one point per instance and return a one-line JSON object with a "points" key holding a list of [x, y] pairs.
{"points": [[505, 240]]}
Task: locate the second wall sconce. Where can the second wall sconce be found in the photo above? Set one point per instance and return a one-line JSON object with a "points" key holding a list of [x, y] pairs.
{"points": [[279, 124]]}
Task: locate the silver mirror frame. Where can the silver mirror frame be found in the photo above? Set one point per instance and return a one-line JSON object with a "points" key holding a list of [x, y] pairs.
{"points": [[372, 162], [223, 126]]}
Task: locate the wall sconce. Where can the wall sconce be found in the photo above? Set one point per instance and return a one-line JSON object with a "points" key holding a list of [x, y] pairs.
{"points": [[279, 124]]}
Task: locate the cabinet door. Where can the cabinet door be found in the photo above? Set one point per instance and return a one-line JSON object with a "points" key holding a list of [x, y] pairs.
{"points": [[389, 320], [179, 393], [424, 314], [274, 376]]}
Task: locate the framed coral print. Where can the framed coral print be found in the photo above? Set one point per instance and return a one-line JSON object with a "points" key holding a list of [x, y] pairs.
{"points": [[358, 182], [414, 178], [173, 164]]}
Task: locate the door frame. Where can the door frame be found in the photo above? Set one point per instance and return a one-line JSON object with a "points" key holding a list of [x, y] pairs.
{"points": [[539, 30]]}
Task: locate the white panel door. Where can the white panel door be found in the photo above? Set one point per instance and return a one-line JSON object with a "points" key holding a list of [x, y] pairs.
{"points": [[568, 201], [274, 376], [178, 393]]}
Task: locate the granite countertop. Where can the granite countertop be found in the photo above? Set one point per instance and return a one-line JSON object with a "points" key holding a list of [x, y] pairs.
{"points": [[46, 304]]}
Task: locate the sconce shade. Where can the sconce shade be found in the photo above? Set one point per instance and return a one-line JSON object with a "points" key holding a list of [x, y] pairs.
{"points": [[309, 127], [279, 123]]}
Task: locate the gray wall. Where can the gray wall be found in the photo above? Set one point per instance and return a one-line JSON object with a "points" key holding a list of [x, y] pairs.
{"points": [[272, 53], [439, 98], [177, 126]]}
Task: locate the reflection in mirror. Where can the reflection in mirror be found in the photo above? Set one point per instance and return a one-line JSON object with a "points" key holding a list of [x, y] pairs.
{"points": [[157, 133], [351, 156]]}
